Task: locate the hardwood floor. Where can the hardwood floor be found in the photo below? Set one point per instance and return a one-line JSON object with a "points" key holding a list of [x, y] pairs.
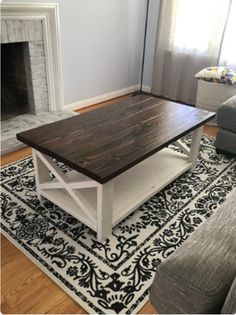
{"points": [[14, 156], [102, 104], [25, 288]]}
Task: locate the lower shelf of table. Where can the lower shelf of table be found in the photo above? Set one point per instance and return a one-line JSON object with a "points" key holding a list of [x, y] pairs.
{"points": [[131, 189]]}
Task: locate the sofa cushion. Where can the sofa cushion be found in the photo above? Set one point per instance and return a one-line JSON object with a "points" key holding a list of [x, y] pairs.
{"points": [[226, 141], [226, 114], [198, 275], [230, 302]]}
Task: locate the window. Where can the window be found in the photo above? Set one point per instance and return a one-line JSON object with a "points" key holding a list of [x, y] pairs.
{"points": [[198, 25], [228, 51]]}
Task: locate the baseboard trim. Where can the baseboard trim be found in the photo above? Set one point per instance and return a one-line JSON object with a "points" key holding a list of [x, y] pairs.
{"points": [[146, 88], [101, 98]]}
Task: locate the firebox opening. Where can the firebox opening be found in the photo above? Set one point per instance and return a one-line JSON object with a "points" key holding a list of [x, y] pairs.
{"points": [[14, 83]]}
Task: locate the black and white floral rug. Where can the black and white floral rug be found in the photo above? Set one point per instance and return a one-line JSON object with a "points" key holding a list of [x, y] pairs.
{"points": [[114, 276]]}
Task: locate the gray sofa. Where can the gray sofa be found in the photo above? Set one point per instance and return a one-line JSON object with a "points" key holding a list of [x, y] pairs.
{"points": [[200, 276], [226, 120]]}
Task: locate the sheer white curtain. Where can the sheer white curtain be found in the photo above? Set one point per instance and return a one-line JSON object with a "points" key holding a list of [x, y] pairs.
{"points": [[191, 35], [228, 51]]}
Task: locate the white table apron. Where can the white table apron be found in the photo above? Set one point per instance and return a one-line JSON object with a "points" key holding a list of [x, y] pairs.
{"points": [[102, 206]]}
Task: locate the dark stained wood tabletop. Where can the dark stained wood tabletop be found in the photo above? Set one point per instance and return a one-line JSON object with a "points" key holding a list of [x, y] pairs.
{"points": [[106, 142]]}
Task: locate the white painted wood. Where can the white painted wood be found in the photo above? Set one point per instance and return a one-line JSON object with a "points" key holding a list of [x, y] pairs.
{"points": [[51, 185], [51, 165], [79, 185], [194, 150], [41, 172], [48, 13], [134, 187], [102, 206], [182, 147], [63, 200], [105, 211], [84, 206]]}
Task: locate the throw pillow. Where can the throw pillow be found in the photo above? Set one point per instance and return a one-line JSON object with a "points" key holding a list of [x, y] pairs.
{"points": [[217, 75]]}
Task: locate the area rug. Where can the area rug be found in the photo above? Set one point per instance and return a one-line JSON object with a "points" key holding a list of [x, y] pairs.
{"points": [[113, 276]]}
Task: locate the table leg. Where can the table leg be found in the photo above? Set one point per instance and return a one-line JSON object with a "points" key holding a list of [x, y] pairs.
{"points": [[194, 150], [105, 211], [41, 173]]}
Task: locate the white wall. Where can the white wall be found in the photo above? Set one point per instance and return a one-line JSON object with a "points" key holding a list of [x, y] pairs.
{"points": [[101, 45]]}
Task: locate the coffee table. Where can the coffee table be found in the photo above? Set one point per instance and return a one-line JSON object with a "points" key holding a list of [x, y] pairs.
{"points": [[118, 154]]}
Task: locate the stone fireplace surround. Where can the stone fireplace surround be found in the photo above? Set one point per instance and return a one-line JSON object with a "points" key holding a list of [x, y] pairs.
{"points": [[37, 25]]}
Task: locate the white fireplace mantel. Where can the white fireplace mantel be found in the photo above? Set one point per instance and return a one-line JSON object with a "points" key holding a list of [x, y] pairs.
{"points": [[49, 15]]}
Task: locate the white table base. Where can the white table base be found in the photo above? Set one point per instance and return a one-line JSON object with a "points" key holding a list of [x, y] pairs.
{"points": [[101, 207]]}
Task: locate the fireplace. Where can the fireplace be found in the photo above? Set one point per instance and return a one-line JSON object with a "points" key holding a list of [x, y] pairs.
{"points": [[32, 91], [16, 83], [23, 59]]}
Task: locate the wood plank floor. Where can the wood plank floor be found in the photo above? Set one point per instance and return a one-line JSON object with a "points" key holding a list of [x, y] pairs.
{"points": [[25, 288]]}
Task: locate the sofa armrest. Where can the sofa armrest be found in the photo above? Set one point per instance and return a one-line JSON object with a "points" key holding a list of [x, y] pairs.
{"points": [[197, 277], [226, 115], [230, 302]]}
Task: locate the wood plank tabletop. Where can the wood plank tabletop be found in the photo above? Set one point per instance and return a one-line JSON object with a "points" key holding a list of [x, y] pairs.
{"points": [[106, 142]]}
